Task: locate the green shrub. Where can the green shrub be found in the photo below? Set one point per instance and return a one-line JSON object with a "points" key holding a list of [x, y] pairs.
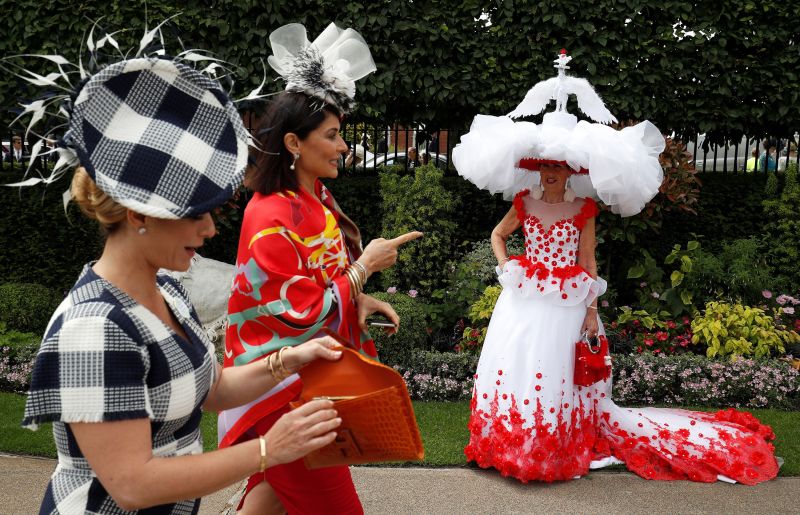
{"points": [[419, 203], [735, 330], [783, 228], [413, 332], [655, 293], [27, 307], [480, 313], [739, 272]]}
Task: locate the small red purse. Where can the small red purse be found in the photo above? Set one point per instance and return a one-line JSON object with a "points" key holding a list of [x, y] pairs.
{"points": [[592, 362]]}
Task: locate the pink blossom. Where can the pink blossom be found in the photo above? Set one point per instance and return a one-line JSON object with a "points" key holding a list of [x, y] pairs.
{"points": [[782, 299], [413, 293], [655, 295], [788, 310], [391, 289], [767, 294], [604, 303], [642, 284]]}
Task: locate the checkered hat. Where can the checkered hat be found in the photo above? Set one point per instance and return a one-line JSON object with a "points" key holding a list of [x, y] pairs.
{"points": [[159, 137]]}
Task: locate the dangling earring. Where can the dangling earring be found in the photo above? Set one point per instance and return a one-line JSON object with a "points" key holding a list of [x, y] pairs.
{"points": [[569, 193], [142, 230], [296, 157], [537, 192]]}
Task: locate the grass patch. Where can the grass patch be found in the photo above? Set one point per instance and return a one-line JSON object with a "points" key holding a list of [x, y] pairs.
{"points": [[443, 426], [15, 439]]}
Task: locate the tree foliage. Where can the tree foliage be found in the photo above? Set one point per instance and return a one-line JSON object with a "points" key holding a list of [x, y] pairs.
{"points": [[723, 68]]}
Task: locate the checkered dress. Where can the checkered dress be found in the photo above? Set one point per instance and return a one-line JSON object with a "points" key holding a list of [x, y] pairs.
{"points": [[105, 357]]}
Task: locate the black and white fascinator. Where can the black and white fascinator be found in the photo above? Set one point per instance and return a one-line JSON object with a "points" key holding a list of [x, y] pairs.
{"points": [[326, 68], [155, 133]]}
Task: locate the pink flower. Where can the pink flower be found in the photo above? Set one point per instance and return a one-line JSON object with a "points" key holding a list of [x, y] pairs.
{"points": [[648, 342], [642, 284], [413, 293], [788, 310], [782, 299], [391, 289], [655, 295], [767, 294], [604, 303]]}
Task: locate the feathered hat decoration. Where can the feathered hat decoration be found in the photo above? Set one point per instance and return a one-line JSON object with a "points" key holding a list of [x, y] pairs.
{"points": [[620, 167], [326, 68], [559, 88], [156, 134]]}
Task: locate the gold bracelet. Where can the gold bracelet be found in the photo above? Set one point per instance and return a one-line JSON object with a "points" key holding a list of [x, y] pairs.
{"points": [[363, 269], [591, 307], [262, 442], [355, 279], [350, 281], [268, 360], [283, 370]]}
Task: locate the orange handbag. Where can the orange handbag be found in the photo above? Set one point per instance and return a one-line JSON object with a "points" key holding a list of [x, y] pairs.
{"points": [[378, 422]]}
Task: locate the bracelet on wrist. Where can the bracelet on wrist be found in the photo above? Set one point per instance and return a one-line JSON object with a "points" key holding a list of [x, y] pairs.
{"points": [[591, 307], [262, 444]]}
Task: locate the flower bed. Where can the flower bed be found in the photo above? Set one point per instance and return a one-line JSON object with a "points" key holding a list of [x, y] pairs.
{"points": [[639, 379], [688, 379]]}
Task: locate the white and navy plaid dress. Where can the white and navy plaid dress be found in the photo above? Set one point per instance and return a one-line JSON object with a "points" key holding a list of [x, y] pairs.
{"points": [[104, 357]]}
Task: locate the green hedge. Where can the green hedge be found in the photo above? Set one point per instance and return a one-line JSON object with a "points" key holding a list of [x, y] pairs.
{"points": [[412, 335], [44, 245], [27, 307]]}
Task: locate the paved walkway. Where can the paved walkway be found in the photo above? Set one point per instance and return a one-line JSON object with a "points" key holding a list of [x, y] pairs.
{"points": [[462, 490]]}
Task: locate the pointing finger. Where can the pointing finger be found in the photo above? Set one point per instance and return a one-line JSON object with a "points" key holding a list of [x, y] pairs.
{"points": [[405, 238]]}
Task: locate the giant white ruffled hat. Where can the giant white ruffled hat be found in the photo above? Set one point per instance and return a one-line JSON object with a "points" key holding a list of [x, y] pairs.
{"points": [[620, 167]]}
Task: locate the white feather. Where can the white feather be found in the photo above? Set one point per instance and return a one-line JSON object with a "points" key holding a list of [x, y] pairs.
{"points": [[27, 182], [191, 55], [90, 40], [589, 101], [537, 99], [39, 80], [150, 35], [256, 93]]}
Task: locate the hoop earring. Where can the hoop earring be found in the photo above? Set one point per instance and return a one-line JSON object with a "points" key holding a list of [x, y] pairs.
{"points": [[296, 156]]}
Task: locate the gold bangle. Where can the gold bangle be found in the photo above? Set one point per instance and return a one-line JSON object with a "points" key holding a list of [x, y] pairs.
{"points": [[283, 370], [350, 280], [262, 442], [356, 286], [268, 360], [591, 307], [363, 269]]}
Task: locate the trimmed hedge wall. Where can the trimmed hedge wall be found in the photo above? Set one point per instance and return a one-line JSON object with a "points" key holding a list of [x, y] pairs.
{"points": [[41, 244]]}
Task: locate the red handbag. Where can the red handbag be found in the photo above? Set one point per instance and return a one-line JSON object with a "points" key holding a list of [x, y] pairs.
{"points": [[592, 362]]}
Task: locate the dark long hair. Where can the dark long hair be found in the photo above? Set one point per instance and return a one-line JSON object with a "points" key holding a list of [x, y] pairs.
{"points": [[297, 113]]}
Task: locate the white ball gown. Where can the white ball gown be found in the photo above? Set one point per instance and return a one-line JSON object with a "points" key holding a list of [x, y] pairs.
{"points": [[530, 421]]}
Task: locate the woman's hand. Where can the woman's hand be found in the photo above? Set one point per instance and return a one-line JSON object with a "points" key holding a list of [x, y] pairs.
{"points": [[590, 325], [305, 429], [368, 305], [325, 347], [381, 253]]}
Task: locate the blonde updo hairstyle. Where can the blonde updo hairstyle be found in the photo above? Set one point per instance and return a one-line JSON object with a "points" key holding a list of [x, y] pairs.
{"points": [[95, 203]]}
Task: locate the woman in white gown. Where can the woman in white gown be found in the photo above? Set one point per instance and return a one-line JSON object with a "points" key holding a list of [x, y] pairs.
{"points": [[529, 420]]}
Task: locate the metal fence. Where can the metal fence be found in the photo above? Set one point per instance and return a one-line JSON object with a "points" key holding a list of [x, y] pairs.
{"points": [[376, 145]]}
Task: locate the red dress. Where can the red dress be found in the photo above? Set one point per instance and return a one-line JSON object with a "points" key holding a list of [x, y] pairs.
{"points": [[289, 284]]}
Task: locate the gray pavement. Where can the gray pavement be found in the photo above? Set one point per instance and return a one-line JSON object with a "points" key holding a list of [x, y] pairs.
{"points": [[463, 490]]}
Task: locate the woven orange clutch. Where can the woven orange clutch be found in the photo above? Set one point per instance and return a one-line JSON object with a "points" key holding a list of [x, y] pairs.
{"points": [[378, 422]]}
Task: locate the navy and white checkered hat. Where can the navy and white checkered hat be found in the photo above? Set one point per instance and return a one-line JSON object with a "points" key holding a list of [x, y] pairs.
{"points": [[159, 137]]}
